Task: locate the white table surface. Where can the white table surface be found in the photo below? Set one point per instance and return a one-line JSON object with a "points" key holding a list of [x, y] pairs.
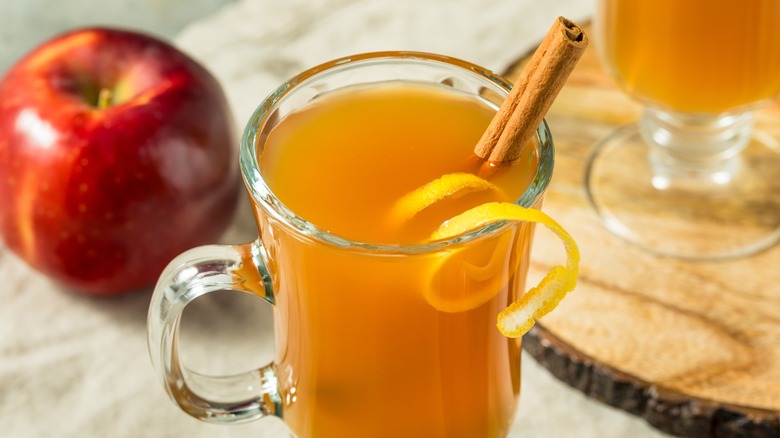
{"points": [[75, 366]]}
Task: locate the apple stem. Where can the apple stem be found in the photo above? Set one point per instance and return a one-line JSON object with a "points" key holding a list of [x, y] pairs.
{"points": [[105, 98]]}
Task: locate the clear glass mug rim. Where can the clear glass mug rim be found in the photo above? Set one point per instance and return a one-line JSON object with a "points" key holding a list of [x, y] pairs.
{"points": [[262, 195]]}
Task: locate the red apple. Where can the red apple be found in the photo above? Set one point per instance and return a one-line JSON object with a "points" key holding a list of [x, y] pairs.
{"points": [[117, 152]]}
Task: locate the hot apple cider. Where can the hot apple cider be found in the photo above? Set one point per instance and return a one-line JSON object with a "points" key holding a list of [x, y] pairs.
{"points": [[693, 56], [342, 162], [443, 370]]}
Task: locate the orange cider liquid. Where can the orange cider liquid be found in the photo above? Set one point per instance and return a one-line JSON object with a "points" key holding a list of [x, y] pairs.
{"points": [[361, 352], [693, 56]]}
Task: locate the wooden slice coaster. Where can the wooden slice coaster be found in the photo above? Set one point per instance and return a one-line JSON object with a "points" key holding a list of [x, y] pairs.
{"points": [[692, 347]]}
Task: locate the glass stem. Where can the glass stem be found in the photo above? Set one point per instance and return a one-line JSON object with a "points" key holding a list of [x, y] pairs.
{"points": [[700, 146]]}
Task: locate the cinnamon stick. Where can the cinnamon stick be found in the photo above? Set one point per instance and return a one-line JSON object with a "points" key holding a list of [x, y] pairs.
{"points": [[534, 91]]}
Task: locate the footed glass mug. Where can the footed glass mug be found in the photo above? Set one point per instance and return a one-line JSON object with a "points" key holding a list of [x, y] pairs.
{"points": [[693, 178], [359, 350]]}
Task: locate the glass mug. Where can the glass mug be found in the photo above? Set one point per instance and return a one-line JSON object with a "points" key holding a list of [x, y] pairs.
{"points": [[359, 351], [693, 178]]}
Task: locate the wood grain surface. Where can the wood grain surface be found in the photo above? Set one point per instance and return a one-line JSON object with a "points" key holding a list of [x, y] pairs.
{"points": [[693, 347]]}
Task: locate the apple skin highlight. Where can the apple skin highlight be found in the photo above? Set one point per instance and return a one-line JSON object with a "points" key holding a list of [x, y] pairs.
{"points": [[100, 197]]}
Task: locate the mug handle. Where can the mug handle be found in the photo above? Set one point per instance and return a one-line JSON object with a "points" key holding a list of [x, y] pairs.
{"points": [[216, 399]]}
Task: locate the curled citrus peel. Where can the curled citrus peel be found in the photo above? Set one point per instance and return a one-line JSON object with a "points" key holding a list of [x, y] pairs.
{"points": [[469, 276], [449, 186], [519, 317]]}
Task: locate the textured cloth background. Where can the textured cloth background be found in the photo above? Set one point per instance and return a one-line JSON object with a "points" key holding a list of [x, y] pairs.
{"points": [[74, 366]]}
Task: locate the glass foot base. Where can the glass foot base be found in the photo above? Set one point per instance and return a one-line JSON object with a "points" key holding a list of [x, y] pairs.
{"points": [[689, 211]]}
